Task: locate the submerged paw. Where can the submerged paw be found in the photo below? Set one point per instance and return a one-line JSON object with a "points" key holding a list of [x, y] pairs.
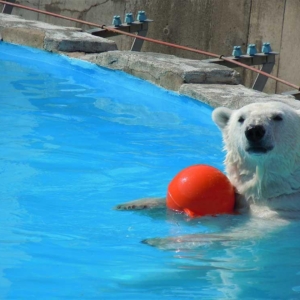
{"points": [[167, 243], [130, 207], [144, 203], [187, 242], [154, 242]]}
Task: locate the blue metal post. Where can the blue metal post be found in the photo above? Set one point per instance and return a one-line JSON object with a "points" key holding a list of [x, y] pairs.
{"points": [[116, 21], [128, 18], [141, 17], [251, 50], [237, 52]]}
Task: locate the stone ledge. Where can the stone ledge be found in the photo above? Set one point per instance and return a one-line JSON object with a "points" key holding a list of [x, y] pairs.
{"points": [[165, 70], [231, 96], [213, 84], [23, 36], [72, 41], [49, 37]]}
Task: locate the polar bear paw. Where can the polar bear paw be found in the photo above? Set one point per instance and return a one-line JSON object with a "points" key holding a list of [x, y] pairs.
{"points": [[145, 203]]}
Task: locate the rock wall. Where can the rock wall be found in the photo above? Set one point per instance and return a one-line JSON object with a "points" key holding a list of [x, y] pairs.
{"points": [[211, 25], [210, 83]]}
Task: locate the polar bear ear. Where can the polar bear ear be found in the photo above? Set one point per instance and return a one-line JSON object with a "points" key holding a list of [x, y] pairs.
{"points": [[221, 116]]}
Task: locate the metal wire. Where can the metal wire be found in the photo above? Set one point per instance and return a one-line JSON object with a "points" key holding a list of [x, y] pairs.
{"points": [[154, 41]]}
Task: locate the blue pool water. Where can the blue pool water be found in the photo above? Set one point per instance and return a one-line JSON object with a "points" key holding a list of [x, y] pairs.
{"points": [[77, 140]]}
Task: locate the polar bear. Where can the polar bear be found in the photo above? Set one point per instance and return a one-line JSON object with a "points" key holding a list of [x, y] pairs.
{"points": [[262, 144]]}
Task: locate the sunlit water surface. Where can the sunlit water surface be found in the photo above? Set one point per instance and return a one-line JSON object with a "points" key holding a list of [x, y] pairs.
{"points": [[78, 139]]}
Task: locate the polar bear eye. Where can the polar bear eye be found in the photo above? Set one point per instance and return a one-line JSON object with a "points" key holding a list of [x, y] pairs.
{"points": [[241, 119], [277, 118]]}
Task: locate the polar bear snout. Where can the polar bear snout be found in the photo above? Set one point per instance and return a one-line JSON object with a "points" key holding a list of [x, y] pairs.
{"points": [[257, 141], [255, 133]]}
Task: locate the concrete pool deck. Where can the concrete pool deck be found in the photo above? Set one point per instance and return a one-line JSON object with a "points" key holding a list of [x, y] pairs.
{"points": [[209, 83]]}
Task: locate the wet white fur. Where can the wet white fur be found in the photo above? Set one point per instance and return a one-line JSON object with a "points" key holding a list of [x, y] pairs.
{"points": [[271, 180]]}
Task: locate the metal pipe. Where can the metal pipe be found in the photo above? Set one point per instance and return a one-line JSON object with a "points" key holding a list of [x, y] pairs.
{"points": [[154, 41]]}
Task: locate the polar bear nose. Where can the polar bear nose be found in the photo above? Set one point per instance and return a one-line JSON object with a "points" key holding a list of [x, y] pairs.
{"points": [[255, 133]]}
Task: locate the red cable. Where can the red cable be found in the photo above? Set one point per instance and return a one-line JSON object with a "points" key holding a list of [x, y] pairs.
{"points": [[154, 41]]}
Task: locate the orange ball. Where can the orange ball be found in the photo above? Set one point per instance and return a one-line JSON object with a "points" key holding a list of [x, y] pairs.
{"points": [[201, 190]]}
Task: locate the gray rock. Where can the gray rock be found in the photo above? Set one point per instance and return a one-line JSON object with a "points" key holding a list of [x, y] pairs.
{"points": [[49, 37], [210, 83], [165, 70], [231, 96], [72, 41]]}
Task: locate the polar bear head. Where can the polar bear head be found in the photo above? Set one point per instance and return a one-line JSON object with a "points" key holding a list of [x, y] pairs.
{"points": [[262, 144]]}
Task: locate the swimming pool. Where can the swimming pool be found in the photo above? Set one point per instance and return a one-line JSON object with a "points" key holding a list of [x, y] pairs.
{"points": [[77, 140]]}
